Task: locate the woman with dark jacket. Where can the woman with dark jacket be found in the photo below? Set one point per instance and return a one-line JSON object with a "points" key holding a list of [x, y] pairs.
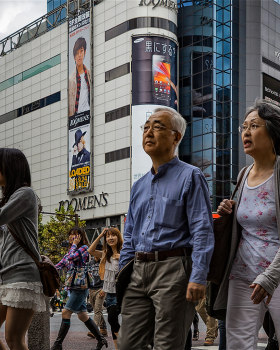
{"points": [[76, 256], [254, 260]]}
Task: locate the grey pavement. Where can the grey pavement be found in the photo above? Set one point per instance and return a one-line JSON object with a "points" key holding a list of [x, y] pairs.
{"points": [[77, 338]]}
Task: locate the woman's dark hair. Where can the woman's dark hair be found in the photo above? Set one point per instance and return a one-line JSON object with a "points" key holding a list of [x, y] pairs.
{"points": [[79, 231], [106, 248], [270, 113], [15, 169], [81, 42]]}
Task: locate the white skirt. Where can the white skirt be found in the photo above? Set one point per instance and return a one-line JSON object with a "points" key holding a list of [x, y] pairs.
{"points": [[23, 295]]}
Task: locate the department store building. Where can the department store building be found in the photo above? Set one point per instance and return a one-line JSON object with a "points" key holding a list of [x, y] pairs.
{"points": [[209, 59]]}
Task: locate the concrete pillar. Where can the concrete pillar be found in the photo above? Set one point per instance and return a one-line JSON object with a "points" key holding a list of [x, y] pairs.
{"points": [[39, 330]]}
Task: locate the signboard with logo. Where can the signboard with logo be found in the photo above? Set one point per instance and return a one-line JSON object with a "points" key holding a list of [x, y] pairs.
{"points": [[154, 85], [271, 89], [79, 103]]}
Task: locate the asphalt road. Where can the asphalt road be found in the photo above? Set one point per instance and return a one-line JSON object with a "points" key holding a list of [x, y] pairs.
{"points": [[77, 338]]}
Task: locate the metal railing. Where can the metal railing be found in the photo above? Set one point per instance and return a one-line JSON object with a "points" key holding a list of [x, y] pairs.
{"points": [[32, 30], [44, 24]]}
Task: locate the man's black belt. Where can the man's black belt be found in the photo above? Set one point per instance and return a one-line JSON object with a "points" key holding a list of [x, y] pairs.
{"points": [[162, 255]]}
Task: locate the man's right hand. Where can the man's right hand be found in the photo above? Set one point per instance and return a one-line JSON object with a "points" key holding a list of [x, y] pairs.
{"points": [[195, 291], [225, 207]]}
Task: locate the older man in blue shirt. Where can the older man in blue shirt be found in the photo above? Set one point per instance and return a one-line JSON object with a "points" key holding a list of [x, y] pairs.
{"points": [[169, 232]]}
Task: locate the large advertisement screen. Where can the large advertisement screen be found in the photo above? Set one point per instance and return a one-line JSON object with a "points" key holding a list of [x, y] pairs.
{"points": [[154, 85], [79, 100], [271, 89]]}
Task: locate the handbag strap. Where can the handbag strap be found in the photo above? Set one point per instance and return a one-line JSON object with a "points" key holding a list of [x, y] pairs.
{"points": [[238, 182], [24, 246]]}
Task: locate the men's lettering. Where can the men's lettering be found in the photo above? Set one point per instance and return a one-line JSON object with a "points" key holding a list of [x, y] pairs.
{"points": [[85, 203], [170, 4]]}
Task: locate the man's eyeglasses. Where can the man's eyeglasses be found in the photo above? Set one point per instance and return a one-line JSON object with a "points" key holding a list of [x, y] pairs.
{"points": [[156, 128], [252, 127]]}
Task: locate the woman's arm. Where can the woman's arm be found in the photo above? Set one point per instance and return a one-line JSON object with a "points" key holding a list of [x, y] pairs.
{"points": [[60, 265], [92, 249], [266, 283], [74, 252]]}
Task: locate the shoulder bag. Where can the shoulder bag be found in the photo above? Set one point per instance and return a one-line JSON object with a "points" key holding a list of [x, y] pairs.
{"points": [[222, 228], [48, 273], [80, 276]]}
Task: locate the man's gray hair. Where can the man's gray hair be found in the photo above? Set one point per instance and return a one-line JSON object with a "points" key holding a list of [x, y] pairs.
{"points": [[270, 113], [177, 121]]}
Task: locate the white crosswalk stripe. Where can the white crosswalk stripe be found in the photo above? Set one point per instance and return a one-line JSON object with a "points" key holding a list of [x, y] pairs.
{"points": [[215, 347]]}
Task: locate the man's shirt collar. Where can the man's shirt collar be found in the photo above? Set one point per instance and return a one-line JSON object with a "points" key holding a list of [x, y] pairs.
{"points": [[163, 168]]}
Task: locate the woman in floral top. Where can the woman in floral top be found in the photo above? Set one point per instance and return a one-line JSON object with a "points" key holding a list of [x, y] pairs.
{"points": [[256, 264], [77, 256]]}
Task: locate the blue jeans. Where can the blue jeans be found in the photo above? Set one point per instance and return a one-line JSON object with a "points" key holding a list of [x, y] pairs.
{"points": [[222, 331], [77, 300]]}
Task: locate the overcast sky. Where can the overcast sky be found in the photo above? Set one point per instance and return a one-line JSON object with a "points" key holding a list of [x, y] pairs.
{"points": [[15, 14]]}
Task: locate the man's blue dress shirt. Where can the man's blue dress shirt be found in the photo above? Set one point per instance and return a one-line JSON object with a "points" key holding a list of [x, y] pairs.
{"points": [[168, 210]]}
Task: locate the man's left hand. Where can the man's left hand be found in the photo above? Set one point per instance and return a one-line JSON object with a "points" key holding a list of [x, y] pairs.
{"points": [[195, 292]]}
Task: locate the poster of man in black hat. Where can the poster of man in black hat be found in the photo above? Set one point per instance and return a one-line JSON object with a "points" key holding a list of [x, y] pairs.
{"points": [[80, 153], [79, 167]]}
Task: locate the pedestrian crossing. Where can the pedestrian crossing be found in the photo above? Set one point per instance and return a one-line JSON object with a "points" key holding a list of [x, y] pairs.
{"points": [[261, 346]]}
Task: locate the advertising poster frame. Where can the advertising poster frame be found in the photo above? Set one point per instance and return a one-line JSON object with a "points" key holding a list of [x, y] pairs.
{"points": [[154, 85], [271, 89], [80, 76]]}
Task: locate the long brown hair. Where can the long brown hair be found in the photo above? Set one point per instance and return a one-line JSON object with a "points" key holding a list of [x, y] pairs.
{"points": [[79, 231], [107, 250]]}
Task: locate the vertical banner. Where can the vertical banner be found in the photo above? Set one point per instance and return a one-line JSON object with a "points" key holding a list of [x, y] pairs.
{"points": [[79, 86], [154, 85]]}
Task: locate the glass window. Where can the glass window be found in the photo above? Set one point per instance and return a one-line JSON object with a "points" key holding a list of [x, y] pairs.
{"points": [[207, 141], [117, 72], [41, 67], [6, 84], [226, 29], [18, 78], [226, 16], [50, 6], [197, 159], [30, 72], [227, 47], [197, 128], [196, 143], [207, 170], [140, 22], [207, 125]]}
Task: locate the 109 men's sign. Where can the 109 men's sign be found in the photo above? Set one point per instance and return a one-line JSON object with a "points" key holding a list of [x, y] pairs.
{"points": [[172, 5]]}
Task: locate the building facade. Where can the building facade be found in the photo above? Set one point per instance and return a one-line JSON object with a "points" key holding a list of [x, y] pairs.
{"points": [[34, 106], [225, 53]]}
